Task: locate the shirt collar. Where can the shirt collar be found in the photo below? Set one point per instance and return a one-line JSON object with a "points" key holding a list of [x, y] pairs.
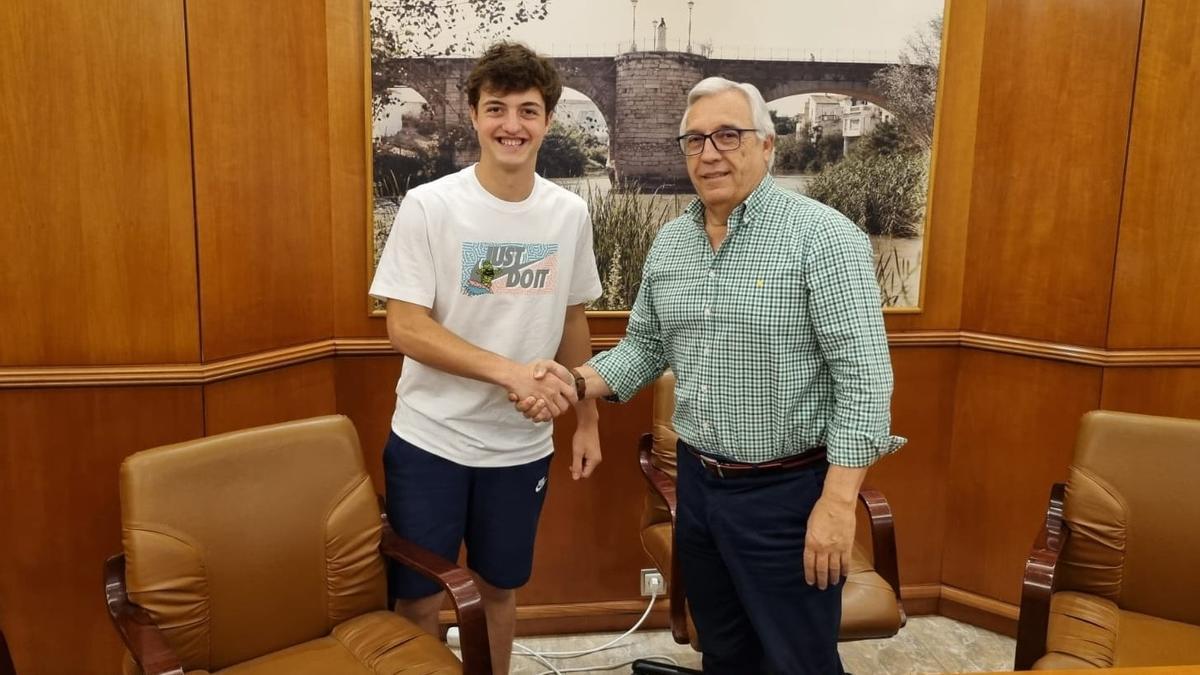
{"points": [[743, 213]]}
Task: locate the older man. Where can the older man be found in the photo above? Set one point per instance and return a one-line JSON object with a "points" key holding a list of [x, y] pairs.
{"points": [[765, 305]]}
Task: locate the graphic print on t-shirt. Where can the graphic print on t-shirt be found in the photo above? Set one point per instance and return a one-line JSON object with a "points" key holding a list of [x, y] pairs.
{"points": [[491, 268]]}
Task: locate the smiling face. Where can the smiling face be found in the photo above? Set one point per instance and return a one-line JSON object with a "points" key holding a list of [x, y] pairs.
{"points": [[724, 179], [510, 128]]}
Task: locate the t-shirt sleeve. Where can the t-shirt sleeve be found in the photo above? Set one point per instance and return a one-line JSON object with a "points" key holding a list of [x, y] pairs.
{"points": [[585, 281], [406, 270]]}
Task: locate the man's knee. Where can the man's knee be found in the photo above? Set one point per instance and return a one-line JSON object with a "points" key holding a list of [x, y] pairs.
{"points": [[492, 594], [420, 607]]}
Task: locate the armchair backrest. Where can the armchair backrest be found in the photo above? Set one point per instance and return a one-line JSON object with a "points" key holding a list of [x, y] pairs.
{"points": [[1133, 507], [252, 541], [662, 452]]}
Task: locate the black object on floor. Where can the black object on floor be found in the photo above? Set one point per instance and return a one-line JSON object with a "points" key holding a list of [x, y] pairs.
{"points": [[648, 667]]}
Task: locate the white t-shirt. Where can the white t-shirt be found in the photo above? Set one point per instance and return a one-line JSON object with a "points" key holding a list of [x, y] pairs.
{"points": [[500, 275]]}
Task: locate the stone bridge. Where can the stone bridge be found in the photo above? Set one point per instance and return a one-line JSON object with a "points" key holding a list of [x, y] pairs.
{"points": [[642, 96]]}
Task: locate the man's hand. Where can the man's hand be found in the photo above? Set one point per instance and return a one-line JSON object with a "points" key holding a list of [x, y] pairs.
{"points": [[585, 449], [547, 397], [828, 542]]}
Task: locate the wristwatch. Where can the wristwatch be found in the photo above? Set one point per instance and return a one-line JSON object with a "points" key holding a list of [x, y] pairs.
{"points": [[580, 384]]}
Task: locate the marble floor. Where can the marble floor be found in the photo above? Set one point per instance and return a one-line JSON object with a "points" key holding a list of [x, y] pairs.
{"points": [[928, 644]]}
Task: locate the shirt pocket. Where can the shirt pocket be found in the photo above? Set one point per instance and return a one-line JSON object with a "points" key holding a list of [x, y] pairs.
{"points": [[769, 303]]}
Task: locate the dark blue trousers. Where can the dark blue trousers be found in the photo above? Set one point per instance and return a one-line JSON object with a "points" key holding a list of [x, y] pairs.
{"points": [[740, 543]]}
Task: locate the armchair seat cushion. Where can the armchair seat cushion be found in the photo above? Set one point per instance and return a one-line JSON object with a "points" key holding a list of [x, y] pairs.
{"points": [[869, 608], [377, 643], [1089, 631]]}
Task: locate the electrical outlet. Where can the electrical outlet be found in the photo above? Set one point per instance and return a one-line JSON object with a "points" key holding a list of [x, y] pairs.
{"points": [[653, 582]]}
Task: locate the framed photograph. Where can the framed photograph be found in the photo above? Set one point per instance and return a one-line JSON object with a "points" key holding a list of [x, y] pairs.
{"points": [[853, 101]]}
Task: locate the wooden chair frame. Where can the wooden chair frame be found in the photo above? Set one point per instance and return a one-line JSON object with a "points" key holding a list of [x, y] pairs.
{"points": [[1039, 584], [6, 664]]}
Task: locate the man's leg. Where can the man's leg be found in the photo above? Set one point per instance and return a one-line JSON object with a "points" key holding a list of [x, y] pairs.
{"points": [[506, 503], [726, 636], [426, 498], [760, 529], [422, 611], [500, 606]]}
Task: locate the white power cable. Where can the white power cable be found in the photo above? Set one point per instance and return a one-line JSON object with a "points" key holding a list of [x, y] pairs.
{"points": [[544, 656], [613, 666], [571, 655], [539, 657]]}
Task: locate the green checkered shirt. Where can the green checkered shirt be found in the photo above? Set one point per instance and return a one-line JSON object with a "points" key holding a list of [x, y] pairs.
{"points": [[776, 339]]}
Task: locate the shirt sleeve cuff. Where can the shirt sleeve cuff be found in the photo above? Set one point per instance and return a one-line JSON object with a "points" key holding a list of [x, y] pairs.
{"points": [[611, 371], [856, 451]]}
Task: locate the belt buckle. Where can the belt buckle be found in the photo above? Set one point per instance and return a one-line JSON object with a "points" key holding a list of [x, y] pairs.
{"points": [[712, 464]]}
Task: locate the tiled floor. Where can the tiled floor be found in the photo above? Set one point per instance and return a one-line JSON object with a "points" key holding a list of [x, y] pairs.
{"points": [[928, 644]]}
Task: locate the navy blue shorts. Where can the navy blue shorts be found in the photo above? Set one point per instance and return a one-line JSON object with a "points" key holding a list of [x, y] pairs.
{"points": [[439, 504]]}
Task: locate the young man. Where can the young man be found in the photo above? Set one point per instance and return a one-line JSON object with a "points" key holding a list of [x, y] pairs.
{"points": [[485, 271]]}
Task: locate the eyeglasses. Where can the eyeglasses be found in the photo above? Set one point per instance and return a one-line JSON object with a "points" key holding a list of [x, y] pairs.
{"points": [[723, 140]]}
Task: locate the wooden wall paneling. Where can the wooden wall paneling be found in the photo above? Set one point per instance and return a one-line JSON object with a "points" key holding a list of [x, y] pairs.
{"points": [[1015, 423], [1054, 107], [95, 179], [60, 450], [366, 393], [1158, 254], [281, 395], [1173, 392], [260, 107], [914, 478], [348, 117], [589, 547], [952, 162]]}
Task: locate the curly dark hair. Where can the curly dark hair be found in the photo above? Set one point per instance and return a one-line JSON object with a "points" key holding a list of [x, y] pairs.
{"points": [[508, 67]]}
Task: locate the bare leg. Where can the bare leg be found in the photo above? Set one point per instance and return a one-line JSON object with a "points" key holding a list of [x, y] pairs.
{"points": [[422, 611], [500, 606]]}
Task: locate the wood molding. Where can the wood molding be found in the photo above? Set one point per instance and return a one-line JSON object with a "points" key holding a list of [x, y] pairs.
{"points": [[919, 599], [978, 610], [40, 377], [163, 374]]}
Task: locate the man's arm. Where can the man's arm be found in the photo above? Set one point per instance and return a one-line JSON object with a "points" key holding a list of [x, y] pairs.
{"points": [[413, 332], [848, 321], [576, 348]]}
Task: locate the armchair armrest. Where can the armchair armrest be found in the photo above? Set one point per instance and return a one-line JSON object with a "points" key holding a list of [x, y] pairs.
{"points": [[1038, 585], [468, 604], [883, 541], [143, 639], [664, 486], [6, 664]]}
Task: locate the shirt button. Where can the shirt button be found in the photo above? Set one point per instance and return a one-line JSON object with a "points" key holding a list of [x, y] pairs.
{"points": [[704, 388], [712, 274], [707, 312]]}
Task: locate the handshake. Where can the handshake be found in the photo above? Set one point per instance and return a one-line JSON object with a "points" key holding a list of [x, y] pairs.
{"points": [[541, 390]]}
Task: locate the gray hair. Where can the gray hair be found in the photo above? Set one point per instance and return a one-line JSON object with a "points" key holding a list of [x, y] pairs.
{"points": [[761, 117]]}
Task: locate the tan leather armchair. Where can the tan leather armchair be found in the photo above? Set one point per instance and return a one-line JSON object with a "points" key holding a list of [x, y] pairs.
{"points": [[871, 605], [259, 552], [1114, 577]]}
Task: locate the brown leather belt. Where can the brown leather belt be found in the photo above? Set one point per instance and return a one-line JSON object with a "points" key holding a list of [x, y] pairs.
{"points": [[729, 469]]}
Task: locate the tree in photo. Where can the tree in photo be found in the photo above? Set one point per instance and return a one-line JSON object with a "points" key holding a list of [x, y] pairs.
{"points": [[406, 29], [911, 85], [883, 194], [564, 152]]}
